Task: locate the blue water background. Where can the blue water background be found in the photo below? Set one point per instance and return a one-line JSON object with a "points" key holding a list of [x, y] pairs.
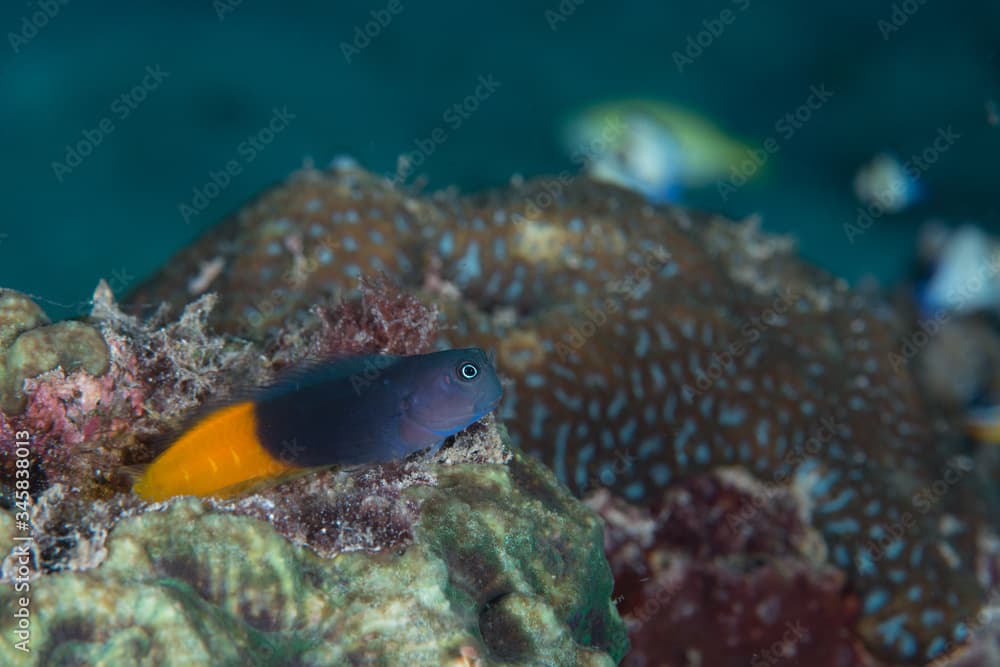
{"points": [[117, 215]]}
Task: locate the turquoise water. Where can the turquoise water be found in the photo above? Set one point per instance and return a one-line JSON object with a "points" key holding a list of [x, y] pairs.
{"points": [[167, 99]]}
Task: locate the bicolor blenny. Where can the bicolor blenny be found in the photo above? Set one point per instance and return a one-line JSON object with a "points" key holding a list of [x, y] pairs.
{"points": [[336, 412]]}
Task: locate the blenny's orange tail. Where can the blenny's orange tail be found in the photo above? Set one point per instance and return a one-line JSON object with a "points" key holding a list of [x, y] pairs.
{"points": [[218, 453]]}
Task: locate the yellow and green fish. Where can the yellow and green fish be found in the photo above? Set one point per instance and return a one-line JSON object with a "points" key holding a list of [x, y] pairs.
{"points": [[652, 147]]}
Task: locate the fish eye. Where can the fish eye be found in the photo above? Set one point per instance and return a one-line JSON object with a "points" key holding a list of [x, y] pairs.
{"points": [[468, 371]]}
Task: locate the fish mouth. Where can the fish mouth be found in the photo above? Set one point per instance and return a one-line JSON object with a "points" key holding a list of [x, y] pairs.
{"points": [[466, 419], [470, 418], [490, 407], [476, 415]]}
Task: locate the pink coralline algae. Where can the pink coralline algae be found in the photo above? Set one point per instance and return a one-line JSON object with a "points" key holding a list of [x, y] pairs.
{"points": [[84, 427], [644, 345], [735, 572], [66, 411], [382, 320]]}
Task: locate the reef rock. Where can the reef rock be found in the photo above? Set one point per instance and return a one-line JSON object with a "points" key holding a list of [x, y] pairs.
{"points": [[473, 556], [734, 569], [443, 564], [30, 346], [644, 345], [87, 392]]}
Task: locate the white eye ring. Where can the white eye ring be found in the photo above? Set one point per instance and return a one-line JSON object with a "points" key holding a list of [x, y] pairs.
{"points": [[468, 371]]}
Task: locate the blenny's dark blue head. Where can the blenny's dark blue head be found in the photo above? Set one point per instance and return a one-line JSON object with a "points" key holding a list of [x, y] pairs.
{"points": [[455, 388]]}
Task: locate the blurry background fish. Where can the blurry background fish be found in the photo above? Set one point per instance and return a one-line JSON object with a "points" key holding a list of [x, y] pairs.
{"points": [[956, 341], [887, 182], [652, 147], [962, 271]]}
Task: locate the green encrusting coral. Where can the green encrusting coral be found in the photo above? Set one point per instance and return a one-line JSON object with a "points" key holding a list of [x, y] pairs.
{"points": [[30, 346], [504, 568]]}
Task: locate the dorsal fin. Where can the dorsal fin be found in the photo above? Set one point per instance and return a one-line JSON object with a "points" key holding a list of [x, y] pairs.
{"points": [[313, 371]]}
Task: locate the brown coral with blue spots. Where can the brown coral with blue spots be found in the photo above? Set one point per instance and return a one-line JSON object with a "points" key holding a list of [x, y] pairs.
{"points": [[643, 345]]}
